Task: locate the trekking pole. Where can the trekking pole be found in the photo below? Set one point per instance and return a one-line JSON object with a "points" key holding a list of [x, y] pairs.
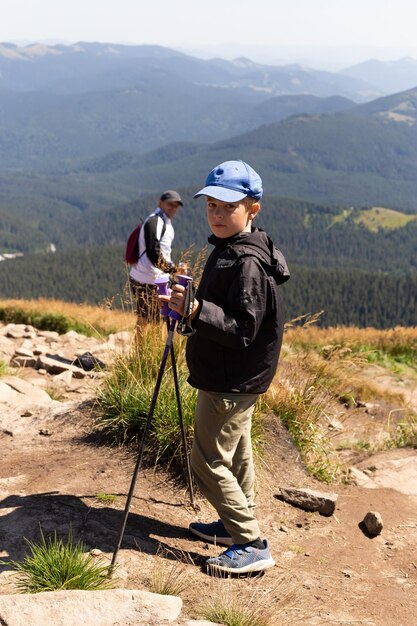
{"points": [[182, 426], [174, 317]]}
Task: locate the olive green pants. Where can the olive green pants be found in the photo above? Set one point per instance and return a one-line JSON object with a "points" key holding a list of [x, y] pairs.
{"points": [[221, 458]]}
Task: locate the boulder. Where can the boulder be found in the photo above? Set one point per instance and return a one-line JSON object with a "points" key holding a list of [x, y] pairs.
{"points": [[95, 608], [39, 396], [54, 366]]}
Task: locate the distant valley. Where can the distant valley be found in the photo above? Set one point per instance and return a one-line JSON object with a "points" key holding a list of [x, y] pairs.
{"points": [[91, 133]]}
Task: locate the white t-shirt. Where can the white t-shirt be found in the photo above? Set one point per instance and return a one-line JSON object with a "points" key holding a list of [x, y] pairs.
{"points": [[159, 244]]}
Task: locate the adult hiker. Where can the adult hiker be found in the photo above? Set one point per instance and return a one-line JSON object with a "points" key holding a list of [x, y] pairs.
{"points": [[155, 245]]}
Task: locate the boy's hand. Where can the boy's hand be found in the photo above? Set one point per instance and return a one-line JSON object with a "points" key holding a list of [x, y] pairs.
{"points": [[176, 300]]}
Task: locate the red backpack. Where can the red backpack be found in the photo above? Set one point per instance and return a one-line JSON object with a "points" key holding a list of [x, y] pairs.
{"points": [[132, 246]]}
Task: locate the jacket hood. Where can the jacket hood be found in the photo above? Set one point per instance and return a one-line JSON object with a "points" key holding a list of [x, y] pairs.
{"points": [[258, 244]]}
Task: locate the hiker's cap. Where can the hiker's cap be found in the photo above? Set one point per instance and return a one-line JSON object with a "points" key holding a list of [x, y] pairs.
{"points": [[232, 181], [171, 196]]}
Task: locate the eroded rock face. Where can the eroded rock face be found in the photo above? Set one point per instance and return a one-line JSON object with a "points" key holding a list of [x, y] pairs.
{"points": [[392, 469]]}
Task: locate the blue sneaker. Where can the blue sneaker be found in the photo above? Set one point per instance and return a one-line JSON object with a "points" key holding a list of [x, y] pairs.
{"points": [[241, 559], [214, 532]]}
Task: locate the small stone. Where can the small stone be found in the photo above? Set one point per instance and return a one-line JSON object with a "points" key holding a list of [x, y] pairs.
{"points": [[26, 413], [38, 351], [283, 528], [347, 573], [96, 552], [42, 371], [45, 432], [373, 523], [334, 424], [7, 432]]}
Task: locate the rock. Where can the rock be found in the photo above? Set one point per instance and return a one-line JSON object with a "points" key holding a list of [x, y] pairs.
{"points": [[7, 394], [64, 378], [23, 361], [23, 352], [53, 366], [22, 386], [40, 350], [97, 608], [73, 335], [389, 469], [49, 335], [120, 341], [20, 331], [309, 500], [6, 345], [45, 432], [335, 424], [373, 523], [96, 552], [359, 478]]}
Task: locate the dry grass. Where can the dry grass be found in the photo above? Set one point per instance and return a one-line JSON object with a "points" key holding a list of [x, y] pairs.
{"points": [[399, 342], [301, 400], [170, 577], [101, 318], [257, 605]]}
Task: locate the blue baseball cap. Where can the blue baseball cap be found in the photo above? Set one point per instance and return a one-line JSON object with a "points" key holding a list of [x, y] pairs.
{"points": [[232, 181]]}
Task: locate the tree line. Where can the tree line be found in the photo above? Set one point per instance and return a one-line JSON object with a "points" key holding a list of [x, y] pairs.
{"points": [[97, 275]]}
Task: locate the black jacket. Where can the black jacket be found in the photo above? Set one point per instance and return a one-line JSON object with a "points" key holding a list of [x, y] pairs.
{"points": [[239, 328]]}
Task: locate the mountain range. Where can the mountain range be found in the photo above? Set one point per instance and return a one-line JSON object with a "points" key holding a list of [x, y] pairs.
{"points": [[386, 76], [86, 129]]}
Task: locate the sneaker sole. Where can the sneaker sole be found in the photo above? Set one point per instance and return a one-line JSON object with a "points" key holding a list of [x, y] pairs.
{"points": [[223, 541], [258, 566]]}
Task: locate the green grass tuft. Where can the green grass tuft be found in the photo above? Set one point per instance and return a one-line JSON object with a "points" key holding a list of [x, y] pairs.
{"points": [[4, 369], [106, 498], [44, 321], [126, 393], [54, 565]]}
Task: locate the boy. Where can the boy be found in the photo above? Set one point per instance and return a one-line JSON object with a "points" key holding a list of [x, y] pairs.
{"points": [[237, 323]]}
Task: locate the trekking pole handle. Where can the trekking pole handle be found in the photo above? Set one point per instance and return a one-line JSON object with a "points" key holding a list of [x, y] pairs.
{"points": [[162, 285]]}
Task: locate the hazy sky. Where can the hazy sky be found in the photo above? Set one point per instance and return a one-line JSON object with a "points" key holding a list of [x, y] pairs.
{"points": [[240, 25]]}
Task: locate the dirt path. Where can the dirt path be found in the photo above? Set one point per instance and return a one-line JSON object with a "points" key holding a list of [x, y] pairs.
{"points": [[327, 572]]}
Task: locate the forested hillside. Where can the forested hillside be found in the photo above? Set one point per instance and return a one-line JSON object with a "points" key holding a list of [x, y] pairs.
{"points": [[97, 275], [311, 234]]}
